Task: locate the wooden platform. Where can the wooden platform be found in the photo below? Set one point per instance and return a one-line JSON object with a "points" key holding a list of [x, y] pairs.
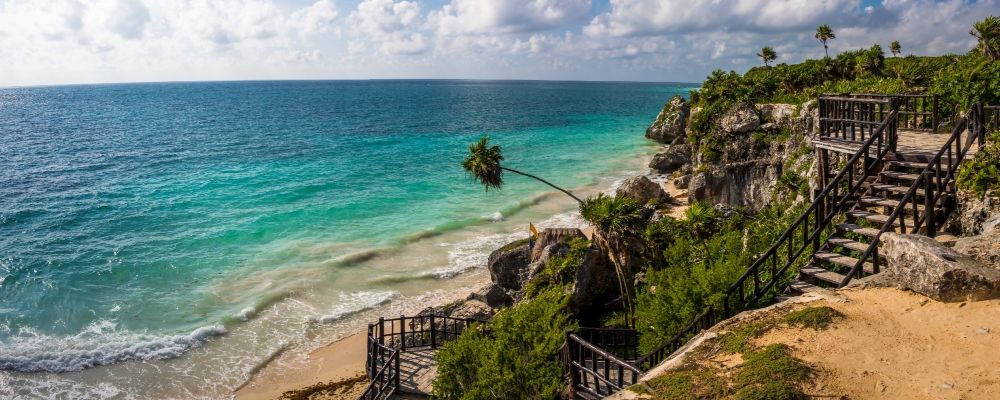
{"points": [[913, 145]]}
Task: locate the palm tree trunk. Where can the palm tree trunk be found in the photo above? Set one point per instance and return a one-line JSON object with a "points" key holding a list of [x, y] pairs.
{"points": [[545, 182], [826, 50]]}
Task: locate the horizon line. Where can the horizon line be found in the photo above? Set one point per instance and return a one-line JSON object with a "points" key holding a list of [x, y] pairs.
{"points": [[342, 80]]}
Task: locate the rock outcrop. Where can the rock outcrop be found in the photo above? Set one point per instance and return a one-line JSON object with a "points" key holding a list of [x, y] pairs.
{"points": [[595, 285], [643, 190], [553, 236], [671, 159], [985, 247], [921, 264], [740, 118], [508, 265], [976, 214], [671, 122]]}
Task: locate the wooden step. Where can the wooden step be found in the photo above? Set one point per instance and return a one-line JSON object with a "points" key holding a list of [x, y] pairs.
{"points": [[798, 287], [900, 176], [821, 274], [873, 217], [854, 228], [848, 244], [879, 201], [842, 260], [908, 164], [901, 190]]}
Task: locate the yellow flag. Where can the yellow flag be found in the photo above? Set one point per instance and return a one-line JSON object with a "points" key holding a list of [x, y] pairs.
{"points": [[534, 231]]}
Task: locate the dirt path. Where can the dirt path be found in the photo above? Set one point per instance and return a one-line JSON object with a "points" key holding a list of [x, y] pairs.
{"points": [[898, 345]]}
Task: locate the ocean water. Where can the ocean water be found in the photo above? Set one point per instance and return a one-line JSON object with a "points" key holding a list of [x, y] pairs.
{"points": [[165, 240]]}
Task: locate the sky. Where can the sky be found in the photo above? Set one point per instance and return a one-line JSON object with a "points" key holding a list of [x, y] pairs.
{"points": [[45, 42]]}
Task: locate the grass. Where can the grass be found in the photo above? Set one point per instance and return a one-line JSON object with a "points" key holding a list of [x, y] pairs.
{"points": [[770, 374], [740, 340], [812, 317], [688, 384]]}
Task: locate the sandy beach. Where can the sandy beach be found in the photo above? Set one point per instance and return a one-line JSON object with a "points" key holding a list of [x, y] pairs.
{"points": [[332, 368]]}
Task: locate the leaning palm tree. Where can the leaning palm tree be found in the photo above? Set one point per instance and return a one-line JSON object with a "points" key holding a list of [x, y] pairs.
{"points": [[987, 32], [767, 54], [483, 163], [617, 222], [895, 48], [824, 33]]}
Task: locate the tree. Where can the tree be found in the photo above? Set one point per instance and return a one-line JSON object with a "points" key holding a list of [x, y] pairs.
{"points": [[767, 54], [895, 48], [824, 33], [617, 221], [483, 163], [987, 32]]}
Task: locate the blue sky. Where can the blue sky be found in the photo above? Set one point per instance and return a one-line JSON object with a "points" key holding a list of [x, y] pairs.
{"points": [[88, 41]]}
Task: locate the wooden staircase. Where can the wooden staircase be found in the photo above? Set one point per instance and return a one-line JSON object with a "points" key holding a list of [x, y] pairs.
{"points": [[875, 189]]}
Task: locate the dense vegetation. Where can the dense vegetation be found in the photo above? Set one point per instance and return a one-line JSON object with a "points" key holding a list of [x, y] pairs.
{"points": [[688, 263]]}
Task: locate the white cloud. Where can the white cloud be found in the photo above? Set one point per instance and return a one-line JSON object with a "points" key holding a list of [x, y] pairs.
{"points": [[481, 17], [392, 26]]}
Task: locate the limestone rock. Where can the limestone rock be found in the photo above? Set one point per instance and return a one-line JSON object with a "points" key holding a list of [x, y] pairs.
{"points": [[779, 114], [683, 181], [551, 236], [975, 214], [672, 159], [921, 264], [985, 247], [493, 296], [595, 284], [643, 190], [508, 265], [473, 309], [740, 118], [670, 123]]}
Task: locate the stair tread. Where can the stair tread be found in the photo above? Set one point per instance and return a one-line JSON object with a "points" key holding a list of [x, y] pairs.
{"points": [[871, 200], [870, 232], [802, 287], [870, 216], [843, 260], [848, 244], [822, 274], [900, 175]]}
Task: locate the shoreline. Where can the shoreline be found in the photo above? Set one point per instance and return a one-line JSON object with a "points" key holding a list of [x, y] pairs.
{"points": [[337, 368]]}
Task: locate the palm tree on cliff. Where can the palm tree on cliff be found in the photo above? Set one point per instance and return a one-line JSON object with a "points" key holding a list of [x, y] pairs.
{"points": [[767, 54], [987, 32], [617, 221], [895, 48], [483, 163], [824, 33]]}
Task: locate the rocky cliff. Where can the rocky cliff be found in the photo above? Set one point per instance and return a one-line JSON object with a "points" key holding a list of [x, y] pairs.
{"points": [[747, 156]]}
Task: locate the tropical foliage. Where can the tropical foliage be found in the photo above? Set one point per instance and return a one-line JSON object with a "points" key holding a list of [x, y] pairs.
{"points": [[515, 357], [824, 34], [768, 55]]}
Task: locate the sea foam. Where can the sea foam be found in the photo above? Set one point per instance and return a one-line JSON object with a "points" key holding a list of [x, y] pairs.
{"points": [[353, 303], [100, 343]]}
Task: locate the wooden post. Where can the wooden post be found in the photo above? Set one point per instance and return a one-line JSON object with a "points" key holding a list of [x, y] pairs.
{"points": [[934, 115], [929, 219], [402, 332], [395, 379], [433, 335]]}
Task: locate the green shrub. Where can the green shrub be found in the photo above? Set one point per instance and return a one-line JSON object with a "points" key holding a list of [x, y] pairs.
{"points": [[770, 374], [559, 269], [708, 253], [517, 360], [982, 172]]}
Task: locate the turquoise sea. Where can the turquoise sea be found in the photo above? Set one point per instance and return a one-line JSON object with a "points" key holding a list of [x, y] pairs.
{"points": [[165, 240]]}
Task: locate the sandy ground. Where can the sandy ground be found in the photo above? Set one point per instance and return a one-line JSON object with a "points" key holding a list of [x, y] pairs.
{"points": [[336, 362], [894, 344]]}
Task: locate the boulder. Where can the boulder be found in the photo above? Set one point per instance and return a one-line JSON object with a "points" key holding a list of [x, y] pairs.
{"points": [[549, 237], [672, 159], [923, 265], [474, 309], [985, 247], [670, 122], [779, 114], [595, 284], [740, 118], [976, 214], [683, 181], [508, 265], [643, 190], [493, 296]]}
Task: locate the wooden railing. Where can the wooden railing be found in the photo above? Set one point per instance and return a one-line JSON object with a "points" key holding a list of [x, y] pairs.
{"points": [[769, 273], [937, 182], [852, 119], [594, 372], [390, 337], [916, 111]]}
